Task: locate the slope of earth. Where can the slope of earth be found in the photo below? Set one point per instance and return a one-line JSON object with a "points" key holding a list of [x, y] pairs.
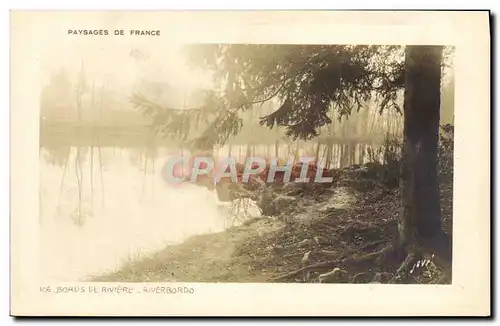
{"points": [[319, 226]]}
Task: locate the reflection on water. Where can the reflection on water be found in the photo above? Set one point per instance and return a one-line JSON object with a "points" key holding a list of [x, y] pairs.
{"points": [[111, 205], [103, 206]]}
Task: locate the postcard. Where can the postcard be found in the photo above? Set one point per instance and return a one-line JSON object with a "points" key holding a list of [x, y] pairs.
{"points": [[250, 163]]}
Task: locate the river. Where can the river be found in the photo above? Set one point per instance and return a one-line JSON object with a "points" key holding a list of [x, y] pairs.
{"points": [[113, 207], [103, 206]]}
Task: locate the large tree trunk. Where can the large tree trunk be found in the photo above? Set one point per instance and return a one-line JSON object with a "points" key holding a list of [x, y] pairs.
{"points": [[420, 223]]}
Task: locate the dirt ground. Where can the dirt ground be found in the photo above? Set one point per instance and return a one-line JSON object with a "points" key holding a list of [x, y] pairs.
{"points": [[321, 226]]}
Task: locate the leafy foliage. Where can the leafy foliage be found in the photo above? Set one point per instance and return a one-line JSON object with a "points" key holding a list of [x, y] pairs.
{"points": [[386, 161], [305, 81], [445, 150], [219, 122]]}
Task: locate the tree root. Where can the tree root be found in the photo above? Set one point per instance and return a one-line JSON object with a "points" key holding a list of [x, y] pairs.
{"points": [[325, 253], [309, 268], [405, 267], [357, 261], [390, 255], [443, 279], [438, 249], [372, 244]]}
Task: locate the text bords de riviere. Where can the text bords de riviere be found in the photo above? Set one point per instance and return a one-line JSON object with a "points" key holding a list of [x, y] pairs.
{"points": [[119, 290]]}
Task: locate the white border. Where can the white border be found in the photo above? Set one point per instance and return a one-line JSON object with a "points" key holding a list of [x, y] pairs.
{"points": [[4, 145]]}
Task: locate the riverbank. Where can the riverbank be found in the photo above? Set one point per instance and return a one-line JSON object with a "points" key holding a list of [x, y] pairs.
{"points": [[316, 237]]}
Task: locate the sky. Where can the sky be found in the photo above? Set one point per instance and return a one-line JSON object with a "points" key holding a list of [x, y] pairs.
{"points": [[119, 65]]}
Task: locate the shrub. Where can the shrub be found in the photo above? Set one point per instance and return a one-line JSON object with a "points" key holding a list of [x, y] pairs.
{"points": [[387, 161], [387, 158], [445, 152]]}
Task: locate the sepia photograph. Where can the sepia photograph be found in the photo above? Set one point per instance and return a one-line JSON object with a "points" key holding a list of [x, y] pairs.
{"points": [[165, 162], [347, 152]]}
